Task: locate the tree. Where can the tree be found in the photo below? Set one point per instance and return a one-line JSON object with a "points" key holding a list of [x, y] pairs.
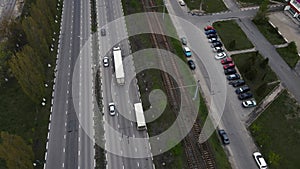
{"points": [[261, 15], [264, 63], [15, 151], [27, 69]]}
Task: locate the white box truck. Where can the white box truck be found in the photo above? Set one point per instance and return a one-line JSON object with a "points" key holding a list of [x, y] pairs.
{"points": [[119, 70], [140, 118]]}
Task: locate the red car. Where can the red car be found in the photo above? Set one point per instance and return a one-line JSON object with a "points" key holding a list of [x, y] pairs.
{"points": [[226, 61], [208, 28], [228, 66]]}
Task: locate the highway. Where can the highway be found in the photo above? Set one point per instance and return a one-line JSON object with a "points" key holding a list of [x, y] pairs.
{"points": [[120, 129], [68, 144]]}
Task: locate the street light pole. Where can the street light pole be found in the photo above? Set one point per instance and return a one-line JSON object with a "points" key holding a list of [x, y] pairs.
{"points": [[164, 10], [197, 89]]}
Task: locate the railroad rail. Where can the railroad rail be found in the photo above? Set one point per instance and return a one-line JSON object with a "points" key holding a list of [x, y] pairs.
{"points": [[199, 155]]}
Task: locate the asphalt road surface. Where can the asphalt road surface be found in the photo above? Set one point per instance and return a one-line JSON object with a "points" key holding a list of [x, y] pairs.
{"points": [[121, 128], [68, 144]]}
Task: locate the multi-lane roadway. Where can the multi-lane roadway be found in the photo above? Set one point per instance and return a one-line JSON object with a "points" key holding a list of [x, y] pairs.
{"points": [[121, 128]]}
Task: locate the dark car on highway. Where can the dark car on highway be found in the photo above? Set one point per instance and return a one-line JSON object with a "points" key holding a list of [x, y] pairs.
{"points": [[242, 89], [238, 83], [245, 96], [224, 137], [229, 71], [233, 77]]}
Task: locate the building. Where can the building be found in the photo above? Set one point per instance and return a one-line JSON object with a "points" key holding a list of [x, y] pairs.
{"points": [[293, 8]]}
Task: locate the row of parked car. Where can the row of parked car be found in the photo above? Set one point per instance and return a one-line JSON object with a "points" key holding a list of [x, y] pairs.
{"points": [[229, 68], [188, 53], [235, 80]]}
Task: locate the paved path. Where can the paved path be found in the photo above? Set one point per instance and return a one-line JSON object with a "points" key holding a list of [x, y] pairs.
{"points": [[264, 105]]}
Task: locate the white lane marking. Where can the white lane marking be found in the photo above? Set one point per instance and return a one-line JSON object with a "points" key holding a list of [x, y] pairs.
{"points": [[63, 165], [67, 91], [135, 149], [64, 150], [133, 135], [78, 152], [64, 136], [138, 164], [66, 112]]}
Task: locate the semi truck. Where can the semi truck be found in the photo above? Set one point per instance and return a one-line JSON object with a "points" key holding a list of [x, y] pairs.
{"points": [[119, 70]]}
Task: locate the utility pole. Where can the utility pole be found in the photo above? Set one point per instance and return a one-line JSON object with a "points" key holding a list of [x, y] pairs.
{"points": [[197, 90]]}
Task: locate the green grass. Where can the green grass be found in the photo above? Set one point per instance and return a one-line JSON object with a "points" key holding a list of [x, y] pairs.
{"points": [[289, 54], [20, 116], [277, 134], [270, 33], [232, 35], [257, 75], [209, 6]]}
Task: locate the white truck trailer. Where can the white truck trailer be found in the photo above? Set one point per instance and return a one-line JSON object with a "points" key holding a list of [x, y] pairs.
{"points": [[140, 118], [119, 70]]}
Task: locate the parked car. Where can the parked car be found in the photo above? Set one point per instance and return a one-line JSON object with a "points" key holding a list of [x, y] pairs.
{"points": [[226, 61], [111, 107], [228, 66], [212, 40], [233, 76], [245, 96], [191, 64], [249, 103], [181, 2], [105, 61], [229, 71], [224, 137], [242, 89], [183, 40], [187, 52], [218, 49], [238, 83], [212, 31], [211, 36], [260, 161], [208, 28], [220, 55], [216, 44]]}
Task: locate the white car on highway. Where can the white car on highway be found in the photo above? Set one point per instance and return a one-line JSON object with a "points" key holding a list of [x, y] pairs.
{"points": [[260, 161], [220, 55], [112, 110], [105, 61]]}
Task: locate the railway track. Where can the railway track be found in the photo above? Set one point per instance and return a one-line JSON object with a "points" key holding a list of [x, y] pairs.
{"points": [[199, 155]]}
